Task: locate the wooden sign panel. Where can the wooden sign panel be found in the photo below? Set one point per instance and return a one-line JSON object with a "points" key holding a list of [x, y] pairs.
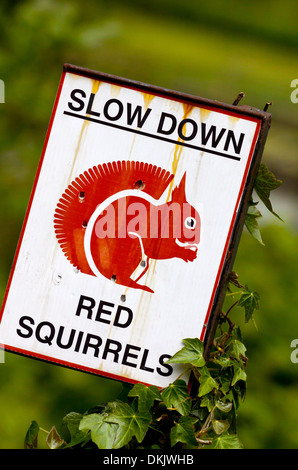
{"points": [[126, 240]]}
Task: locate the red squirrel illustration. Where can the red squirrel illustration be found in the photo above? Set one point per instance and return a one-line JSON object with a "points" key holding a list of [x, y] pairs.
{"points": [[116, 217]]}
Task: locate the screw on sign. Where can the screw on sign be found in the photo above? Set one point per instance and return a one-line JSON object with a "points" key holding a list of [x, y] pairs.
{"points": [[132, 226]]}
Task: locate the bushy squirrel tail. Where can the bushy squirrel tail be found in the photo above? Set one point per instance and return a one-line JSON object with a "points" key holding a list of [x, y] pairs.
{"points": [[91, 188]]}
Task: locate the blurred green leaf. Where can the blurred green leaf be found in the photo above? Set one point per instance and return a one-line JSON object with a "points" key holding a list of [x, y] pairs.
{"points": [[32, 436]]}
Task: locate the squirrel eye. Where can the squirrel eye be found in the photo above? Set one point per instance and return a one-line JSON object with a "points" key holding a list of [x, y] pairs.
{"points": [[190, 222]]}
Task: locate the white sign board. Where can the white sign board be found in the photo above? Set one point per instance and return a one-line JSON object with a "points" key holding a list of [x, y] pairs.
{"points": [[127, 229]]}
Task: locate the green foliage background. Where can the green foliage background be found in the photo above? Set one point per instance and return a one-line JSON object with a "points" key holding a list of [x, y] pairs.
{"points": [[212, 49]]}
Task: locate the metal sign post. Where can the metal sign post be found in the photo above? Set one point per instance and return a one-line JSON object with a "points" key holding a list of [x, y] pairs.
{"points": [[132, 226]]}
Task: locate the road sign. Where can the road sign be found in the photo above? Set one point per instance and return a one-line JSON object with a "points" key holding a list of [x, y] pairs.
{"points": [[132, 226]]}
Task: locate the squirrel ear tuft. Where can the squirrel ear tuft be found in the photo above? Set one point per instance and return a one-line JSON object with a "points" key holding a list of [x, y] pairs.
{"points": [[178, 193]]}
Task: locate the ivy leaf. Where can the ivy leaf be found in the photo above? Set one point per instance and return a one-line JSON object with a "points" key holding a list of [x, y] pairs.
{"points": [[225, 382], [208, 401], [146, 395], [220, 425], [223, 360], [226, 441], [264, 184], [236, 333], [72, 421], [126, 388], [176, 396], [200, 412], [239, 374], [184, 431], [102, 434], [207, 383], [225, 407], [191, 353], [239, 393], [250, 301], [130, 423], [54, 440], [31, 436], [251, 223], [237, 349]]}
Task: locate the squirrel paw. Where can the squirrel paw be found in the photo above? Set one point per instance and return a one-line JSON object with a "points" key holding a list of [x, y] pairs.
{"points": [[190, 254]]}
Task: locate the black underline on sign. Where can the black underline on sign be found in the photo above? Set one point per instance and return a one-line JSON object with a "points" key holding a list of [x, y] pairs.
{"points": [[153, 136]]}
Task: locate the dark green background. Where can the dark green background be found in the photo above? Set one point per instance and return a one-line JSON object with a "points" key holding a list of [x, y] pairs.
{"points": [[212, 49]]}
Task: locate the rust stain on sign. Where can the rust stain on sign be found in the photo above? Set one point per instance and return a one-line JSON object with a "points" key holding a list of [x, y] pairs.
{"points": [[95, 86], [187, 109], [147, 99], [82, 135], [204, 113], [233, 120], [82, 132], [115, 91]]}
